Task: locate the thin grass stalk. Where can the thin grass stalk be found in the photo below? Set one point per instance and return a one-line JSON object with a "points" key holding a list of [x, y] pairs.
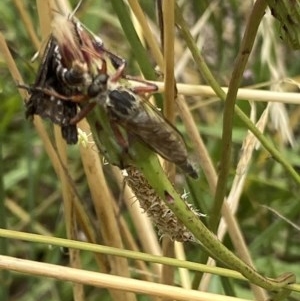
{"points": [[169, 80], [67, 192], [202, 67], [30, 179], [253, 22], [20, 5], [169, 113], [51, 152], [5, 277], [168, 49], [256, 95], [22, 215], [108, 281], [103, 204], [147, 33]]}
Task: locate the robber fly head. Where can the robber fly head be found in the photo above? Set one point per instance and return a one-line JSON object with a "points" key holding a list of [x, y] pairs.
{"points": [[98, 88]]}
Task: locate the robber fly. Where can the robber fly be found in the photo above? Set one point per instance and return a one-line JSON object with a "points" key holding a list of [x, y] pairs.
{"points": [[126, 108], [144, 121]]}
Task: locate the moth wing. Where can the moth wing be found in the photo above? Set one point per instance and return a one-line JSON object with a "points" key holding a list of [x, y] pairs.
{"points": [[50, 107]]}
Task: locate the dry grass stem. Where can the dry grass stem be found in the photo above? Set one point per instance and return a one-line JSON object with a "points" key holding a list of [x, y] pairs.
{"points": [[26, 19], [243, 94], [147, 33], [25, 218], [179, 70], [103, 204], [106, 280], [203, 155]]}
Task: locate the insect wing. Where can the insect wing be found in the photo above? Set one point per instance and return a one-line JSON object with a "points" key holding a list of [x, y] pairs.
{"points": [[50, 107], [140, 118]]}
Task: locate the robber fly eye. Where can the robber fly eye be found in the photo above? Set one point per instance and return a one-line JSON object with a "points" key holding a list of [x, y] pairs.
{"points": [[98, 85]]}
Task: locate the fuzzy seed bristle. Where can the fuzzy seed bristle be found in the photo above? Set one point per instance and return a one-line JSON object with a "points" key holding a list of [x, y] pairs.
{"points": [[63, 31], [162, 216]]}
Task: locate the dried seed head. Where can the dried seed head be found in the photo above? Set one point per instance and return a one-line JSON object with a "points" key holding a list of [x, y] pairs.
{"points": [[162, 216]]}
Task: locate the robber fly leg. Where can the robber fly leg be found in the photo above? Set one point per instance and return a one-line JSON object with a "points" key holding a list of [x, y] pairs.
{"points": [[146, 88], [73, 98], [119, 137], [116, 60], [83, 112], [119, 73]]}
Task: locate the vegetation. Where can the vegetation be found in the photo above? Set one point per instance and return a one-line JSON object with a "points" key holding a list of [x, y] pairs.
{"points": [[65, 206]]}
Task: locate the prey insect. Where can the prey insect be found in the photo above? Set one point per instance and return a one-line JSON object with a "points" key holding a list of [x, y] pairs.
{"points": [[64, 75], [49, 106]]}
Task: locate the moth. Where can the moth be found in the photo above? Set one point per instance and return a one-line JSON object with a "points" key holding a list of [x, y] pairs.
{"points": [[59, 111], [64, 75]]}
